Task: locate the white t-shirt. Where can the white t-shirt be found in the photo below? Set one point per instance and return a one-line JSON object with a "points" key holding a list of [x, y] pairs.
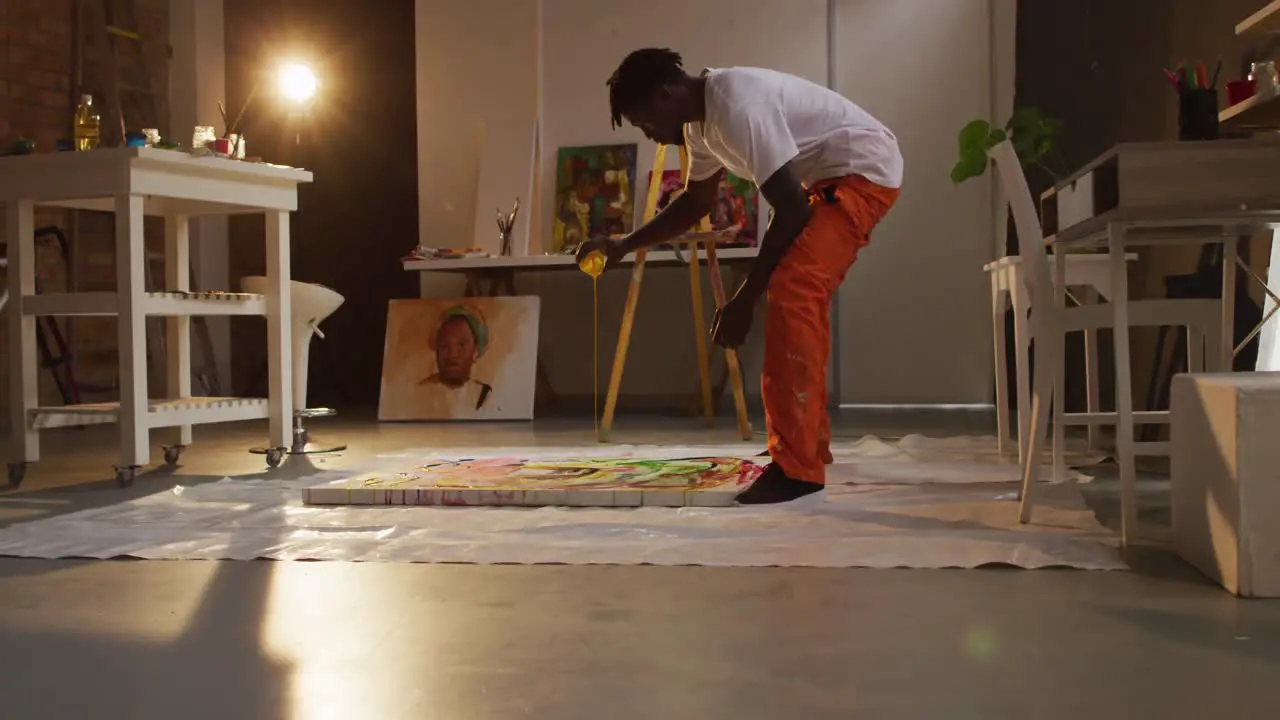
{"points": [[759, 120]]}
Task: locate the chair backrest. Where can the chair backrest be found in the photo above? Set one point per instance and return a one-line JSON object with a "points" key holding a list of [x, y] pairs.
{"points": [[1035, 262]]}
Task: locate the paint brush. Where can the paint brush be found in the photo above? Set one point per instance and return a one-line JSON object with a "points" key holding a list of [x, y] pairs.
{"points": [[1216, 71], [226, 126]]}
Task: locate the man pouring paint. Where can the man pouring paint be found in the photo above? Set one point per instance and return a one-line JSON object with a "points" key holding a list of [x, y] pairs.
{"points": [[829, 170]]}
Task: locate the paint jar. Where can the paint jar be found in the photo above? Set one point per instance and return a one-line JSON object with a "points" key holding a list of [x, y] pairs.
{"points": [[202, 136], [593, 264], [1264, 76]]}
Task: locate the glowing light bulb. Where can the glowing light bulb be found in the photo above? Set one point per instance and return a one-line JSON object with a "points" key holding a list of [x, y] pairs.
{"points": [[298, 83]]}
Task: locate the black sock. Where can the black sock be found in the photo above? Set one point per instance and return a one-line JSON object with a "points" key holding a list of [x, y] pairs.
{"points": [[773, 486]]}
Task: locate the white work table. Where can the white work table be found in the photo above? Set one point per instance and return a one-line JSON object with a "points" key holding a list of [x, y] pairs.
{"points": [[559, 261], [133, 183]]}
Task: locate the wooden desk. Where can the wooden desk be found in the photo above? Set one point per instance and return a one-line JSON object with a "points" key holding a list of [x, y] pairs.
{"points": [[133, 183], [1156, 194]]}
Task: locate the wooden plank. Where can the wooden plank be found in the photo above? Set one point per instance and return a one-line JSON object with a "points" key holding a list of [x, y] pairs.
{"points": [[1264, 22]]}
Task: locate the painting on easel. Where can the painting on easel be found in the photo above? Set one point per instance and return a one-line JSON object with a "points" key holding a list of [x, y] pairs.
{"points": [[472, 359], [594, 196], [737, 207]]}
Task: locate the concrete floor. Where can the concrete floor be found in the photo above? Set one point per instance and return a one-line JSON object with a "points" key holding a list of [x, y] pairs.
{"points": [[171, 640]]}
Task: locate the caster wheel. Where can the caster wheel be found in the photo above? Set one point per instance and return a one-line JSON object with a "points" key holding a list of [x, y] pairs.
{"points": [[275, 456], [173, 453], [17, 473], [125, 476]]}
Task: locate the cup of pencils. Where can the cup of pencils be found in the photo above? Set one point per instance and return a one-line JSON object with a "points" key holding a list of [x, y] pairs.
{"points": [[1197, 101]]}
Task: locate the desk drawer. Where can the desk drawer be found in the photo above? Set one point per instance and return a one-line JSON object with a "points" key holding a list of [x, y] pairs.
{"points": [[1092, 194]]}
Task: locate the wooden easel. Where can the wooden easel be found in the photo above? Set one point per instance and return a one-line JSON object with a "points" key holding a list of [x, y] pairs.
{"points": [[699, 322]]}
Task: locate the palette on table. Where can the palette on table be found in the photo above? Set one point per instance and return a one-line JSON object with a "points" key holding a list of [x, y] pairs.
{"points": [[697, 482]]}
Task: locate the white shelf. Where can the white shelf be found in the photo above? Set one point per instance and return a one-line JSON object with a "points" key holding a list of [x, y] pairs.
{"points": [[1265, 21], [160, 413], [1259, 111], [168, 304]]}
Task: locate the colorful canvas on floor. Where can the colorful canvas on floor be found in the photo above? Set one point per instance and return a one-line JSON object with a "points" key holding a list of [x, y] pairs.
{"points": [[737, 206], [703, 482], [471, 359], [594, 193]]}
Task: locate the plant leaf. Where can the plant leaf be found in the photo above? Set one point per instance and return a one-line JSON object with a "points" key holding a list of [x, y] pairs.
{"points": [[974, 136], [971, 165]]}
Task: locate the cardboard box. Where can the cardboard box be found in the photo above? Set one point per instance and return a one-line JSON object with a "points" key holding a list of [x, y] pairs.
{"points": [[1226, 478]]}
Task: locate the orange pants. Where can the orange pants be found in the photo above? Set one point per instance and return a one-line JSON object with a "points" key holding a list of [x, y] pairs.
{"points": [[797, 334]]}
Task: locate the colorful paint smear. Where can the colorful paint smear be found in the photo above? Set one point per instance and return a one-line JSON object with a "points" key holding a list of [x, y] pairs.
{"points": [[594, 193], [512, 473], [517, 481], [737, 205]]}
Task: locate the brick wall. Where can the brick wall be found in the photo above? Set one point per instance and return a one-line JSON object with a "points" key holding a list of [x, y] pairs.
{"points": [[37, 71]]}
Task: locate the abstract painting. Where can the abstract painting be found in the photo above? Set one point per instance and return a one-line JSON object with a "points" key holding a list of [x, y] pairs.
{"points": [[737, 206], [701, 482], [471, 359], [594, 193]]}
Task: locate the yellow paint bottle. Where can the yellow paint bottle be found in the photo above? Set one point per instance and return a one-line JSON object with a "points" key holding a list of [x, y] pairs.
{"points": [[593, 264]]}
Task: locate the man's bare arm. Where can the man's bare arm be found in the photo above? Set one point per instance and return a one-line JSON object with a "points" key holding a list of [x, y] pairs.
{"points": [[791, 214]]}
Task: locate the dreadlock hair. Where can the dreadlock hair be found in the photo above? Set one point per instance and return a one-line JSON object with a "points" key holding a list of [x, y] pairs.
{"points": [[639, 77]]}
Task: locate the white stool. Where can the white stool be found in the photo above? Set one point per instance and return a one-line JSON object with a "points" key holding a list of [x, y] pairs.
{"points": [[311, 305]]}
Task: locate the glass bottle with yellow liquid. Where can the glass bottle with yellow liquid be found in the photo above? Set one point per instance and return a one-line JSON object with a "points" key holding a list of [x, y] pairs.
{"points": [[88, 124]]}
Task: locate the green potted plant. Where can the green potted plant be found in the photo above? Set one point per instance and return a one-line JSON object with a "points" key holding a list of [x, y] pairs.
{"points": [[1031, 133]]}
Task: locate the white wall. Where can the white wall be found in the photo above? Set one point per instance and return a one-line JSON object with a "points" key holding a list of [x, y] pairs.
{"points": [[475, 59], [914, 321], [465, 75], [914, 311]]}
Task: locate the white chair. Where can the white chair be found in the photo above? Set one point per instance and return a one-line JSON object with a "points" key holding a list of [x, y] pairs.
{"points": [[1009, 286], [311, 304], [1052, 320]]}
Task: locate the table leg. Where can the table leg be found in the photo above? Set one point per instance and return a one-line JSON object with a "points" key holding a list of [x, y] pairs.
{"points": [[731, 364], [1124, 386], [999, 304], [131, 256], [1059, 371], [700, 335], [177, 278], [717, 394], [279, 331], [1092, 388], [24, 370], [1269, 339], [1226, 356]]}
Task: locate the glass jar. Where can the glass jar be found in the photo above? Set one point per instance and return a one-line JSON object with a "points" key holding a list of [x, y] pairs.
{"points": [[1264, 75], [202, 136]]}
